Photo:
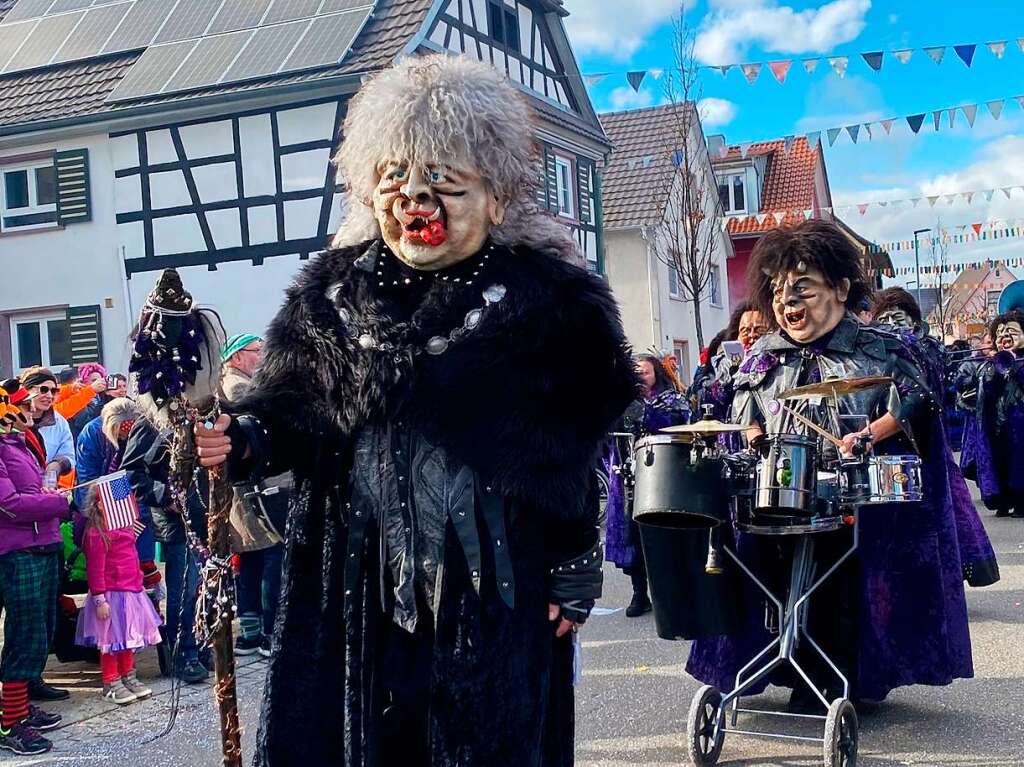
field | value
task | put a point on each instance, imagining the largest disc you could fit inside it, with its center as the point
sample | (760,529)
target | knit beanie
(236,344)
(86,370)
(37,375)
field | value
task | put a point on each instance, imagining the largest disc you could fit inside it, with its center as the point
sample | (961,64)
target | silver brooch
(495,293)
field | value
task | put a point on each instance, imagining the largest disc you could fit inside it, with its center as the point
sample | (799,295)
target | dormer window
(732,193)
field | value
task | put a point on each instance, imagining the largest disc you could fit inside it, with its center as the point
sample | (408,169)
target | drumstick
(813,426)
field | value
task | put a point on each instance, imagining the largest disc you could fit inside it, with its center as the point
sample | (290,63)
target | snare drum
(787,475)
(826,516)
(878,479)
(673,490)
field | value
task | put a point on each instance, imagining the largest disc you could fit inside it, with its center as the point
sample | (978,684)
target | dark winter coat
(523,401)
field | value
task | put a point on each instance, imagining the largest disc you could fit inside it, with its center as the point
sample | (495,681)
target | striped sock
(15,703)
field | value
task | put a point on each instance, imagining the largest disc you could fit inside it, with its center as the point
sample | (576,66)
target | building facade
(206,146)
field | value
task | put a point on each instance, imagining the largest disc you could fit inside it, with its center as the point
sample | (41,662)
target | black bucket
(689,603)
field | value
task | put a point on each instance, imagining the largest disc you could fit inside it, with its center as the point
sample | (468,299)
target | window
(566,189)
(993,302)
(503,25)
(41,340)
(673,282)
(29,196)
(732,193)
(681,350)
(715,285)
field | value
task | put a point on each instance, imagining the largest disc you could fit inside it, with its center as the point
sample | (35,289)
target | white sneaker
(117,692)
(135,687)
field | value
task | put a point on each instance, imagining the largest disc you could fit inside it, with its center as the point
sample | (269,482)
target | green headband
(236,344)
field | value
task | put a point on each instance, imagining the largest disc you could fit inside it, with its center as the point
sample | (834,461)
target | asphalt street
(632,702)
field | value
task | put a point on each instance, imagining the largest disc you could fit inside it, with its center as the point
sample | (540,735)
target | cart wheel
(841,734)
(703,743)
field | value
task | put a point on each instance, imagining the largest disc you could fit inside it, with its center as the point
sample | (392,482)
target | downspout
(599,219)
(652,287)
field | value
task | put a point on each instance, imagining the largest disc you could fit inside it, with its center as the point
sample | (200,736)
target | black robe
(524,400)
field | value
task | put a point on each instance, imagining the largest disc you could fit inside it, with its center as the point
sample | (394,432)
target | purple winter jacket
(28,517)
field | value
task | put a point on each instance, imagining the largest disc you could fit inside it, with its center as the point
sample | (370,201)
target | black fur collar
(525,397)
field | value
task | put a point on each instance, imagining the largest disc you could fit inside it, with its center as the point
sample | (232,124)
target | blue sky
(614,36)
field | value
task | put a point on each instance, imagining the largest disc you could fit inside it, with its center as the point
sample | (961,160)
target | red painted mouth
(423,227)
(796,319)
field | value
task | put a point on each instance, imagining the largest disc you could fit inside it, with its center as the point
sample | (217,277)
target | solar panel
(238,14)
(330,6)
(290,10)
(327,41)
(208,61)
(137,28)
(47,37)
(189,19)
(266,51)
(91,33)
(153,69)
(27,9)
(60,6)
(10,38)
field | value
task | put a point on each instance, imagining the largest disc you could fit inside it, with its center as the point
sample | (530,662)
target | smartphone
(112,382)
(733,349)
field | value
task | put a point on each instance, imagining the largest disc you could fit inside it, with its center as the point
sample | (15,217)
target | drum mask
(1010,336)
(806,306)
(897,318)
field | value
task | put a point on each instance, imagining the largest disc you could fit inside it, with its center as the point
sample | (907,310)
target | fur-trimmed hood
(524,396)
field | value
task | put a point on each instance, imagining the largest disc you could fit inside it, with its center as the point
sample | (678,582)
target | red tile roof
(788,185)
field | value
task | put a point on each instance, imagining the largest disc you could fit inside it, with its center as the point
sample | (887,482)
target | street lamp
(917,262)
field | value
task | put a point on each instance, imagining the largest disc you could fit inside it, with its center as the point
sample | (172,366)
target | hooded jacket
(28,517)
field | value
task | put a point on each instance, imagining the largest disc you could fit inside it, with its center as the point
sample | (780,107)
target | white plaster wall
(74,266)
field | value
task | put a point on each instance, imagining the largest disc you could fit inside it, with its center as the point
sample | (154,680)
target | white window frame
(564,163)
(40,318)
(727,179)
(715,285)
(681,351)
(33,208)
(673,283)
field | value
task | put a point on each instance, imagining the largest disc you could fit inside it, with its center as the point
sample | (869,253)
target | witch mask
(434,215)
(896,318)
(1010,336)
(806,305)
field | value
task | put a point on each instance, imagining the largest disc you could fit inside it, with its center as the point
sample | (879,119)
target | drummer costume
(994,440)
(895,613)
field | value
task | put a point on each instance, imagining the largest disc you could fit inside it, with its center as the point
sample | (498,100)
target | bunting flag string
(873,60)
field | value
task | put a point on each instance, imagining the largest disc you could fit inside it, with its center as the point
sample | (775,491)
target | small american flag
(116,501)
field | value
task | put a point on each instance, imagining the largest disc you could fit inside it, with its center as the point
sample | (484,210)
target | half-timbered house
(141,134)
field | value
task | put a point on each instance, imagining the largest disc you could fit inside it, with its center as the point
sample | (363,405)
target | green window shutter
(73,204)
(583,168)
(84,329)
(551,179)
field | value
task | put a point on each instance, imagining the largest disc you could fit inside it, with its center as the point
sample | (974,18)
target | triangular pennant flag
(863,208)
(779,217)
(723,68)
(787,143)
(988,194)
(873,59)
(635,78)
(833,134)
(813,140)
(751,71)
(1008,191)
(725,224)
(656,73)
(915,122)
(903,56)
(592,80)
(933,200)
(809,213)
(811,64)
(780,69)
(966,53)
(871,135)
(1020,101)
(887,124)
(744,149)
(1020,44)
(839,64)
(937,118)
(995,108)
(916,201)
(936,53)
(976,228)
(950,198)
(969,196)
(761,217)
(883,204)
(853,130)
(952,116)
(970,112)
(997,49)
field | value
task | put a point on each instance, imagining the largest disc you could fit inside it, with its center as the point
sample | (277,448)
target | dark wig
(716,342)
(732,330)
(1014,315)
(819,245)
(662,380)
(892,299)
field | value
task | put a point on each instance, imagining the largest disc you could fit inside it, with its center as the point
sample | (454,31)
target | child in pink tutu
(118,618)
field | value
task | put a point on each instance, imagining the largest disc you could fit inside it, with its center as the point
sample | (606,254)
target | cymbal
(706,427)
(836,387)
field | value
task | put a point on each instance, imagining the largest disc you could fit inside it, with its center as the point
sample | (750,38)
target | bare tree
(938,257)
(685,237)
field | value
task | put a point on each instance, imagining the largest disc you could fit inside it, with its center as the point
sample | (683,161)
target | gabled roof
(971,288)
(878,259)
(86,84)
(635,183)
(788,183)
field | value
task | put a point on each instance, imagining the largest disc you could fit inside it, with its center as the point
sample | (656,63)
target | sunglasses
(47,389)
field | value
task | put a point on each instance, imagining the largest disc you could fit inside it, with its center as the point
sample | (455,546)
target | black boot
(1002,512)
(641,603)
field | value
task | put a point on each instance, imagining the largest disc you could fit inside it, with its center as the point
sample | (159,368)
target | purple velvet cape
(622,542)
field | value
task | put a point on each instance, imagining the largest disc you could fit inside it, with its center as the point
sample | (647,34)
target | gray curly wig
(427,108)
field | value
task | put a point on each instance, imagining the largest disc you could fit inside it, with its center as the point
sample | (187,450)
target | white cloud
(627,98)
(715,112)
(604,26)
(735,25)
